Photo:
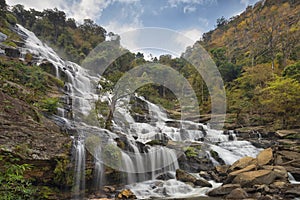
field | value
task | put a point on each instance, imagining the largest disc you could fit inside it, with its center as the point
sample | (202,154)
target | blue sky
(189,17)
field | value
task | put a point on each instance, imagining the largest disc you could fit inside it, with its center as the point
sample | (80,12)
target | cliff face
(35,154)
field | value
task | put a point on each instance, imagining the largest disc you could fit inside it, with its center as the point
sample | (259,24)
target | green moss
(190,152)
(50,105)
(10,43)
(155,142)
(11,19)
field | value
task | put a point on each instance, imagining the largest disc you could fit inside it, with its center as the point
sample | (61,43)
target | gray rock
(223,190)
(3,37)
(237,193)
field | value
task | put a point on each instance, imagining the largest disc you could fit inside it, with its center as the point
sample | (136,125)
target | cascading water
(142,166)
(79,151)
(78,95)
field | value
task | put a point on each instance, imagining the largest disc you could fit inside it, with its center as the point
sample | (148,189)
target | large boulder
(237,193)
(223,190)
(280,171)
(222,169)
(183,176)
(202,183)
(186,177)
(242,163)
(246,169)
(255,177)
(126,194)
(265,157)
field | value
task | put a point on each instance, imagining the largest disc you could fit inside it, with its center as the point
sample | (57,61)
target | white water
(79,165)
(81,94)
(292,179)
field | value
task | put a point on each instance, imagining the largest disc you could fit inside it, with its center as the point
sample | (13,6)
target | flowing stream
(142,163)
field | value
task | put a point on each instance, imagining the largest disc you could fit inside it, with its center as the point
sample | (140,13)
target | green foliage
(63,34)
(282,98)
(190,152)
(10,43)
(29,83)
(13,185)
(50,105)
(63,174)
(11,19)
(292,71)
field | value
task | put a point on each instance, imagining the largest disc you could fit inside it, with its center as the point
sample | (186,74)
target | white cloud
(38,5)
(245,2)
(189,9)
(79,10)
(87,9)
(190,36)
(116,27)
(203,21)
(194,33)
(174,3)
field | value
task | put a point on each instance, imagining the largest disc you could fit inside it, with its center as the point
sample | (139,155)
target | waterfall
(140,166)
(80,158)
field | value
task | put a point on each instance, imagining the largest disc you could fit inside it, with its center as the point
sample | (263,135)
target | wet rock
(294,171)
(48,67)
(3,37)
(242,163)
(222,169)
(165,176)
(265,157)
(237,193)
(183,176)
(205,175)
(12,52)
(140,118)
(109,189)
(223,190)
(216,156)
(126,194)
(175,124)
(202,183)
(255,177)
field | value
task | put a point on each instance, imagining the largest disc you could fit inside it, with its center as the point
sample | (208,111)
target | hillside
(44,130)
(267,32)
(257,54)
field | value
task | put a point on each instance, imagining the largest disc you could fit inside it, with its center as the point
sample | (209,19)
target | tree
(3,5)
(292,71)
(221,21)
(58,18)
(282,98)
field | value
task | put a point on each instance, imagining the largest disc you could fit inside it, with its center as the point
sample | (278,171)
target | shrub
(50,105)
(11,19)
(13,185)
